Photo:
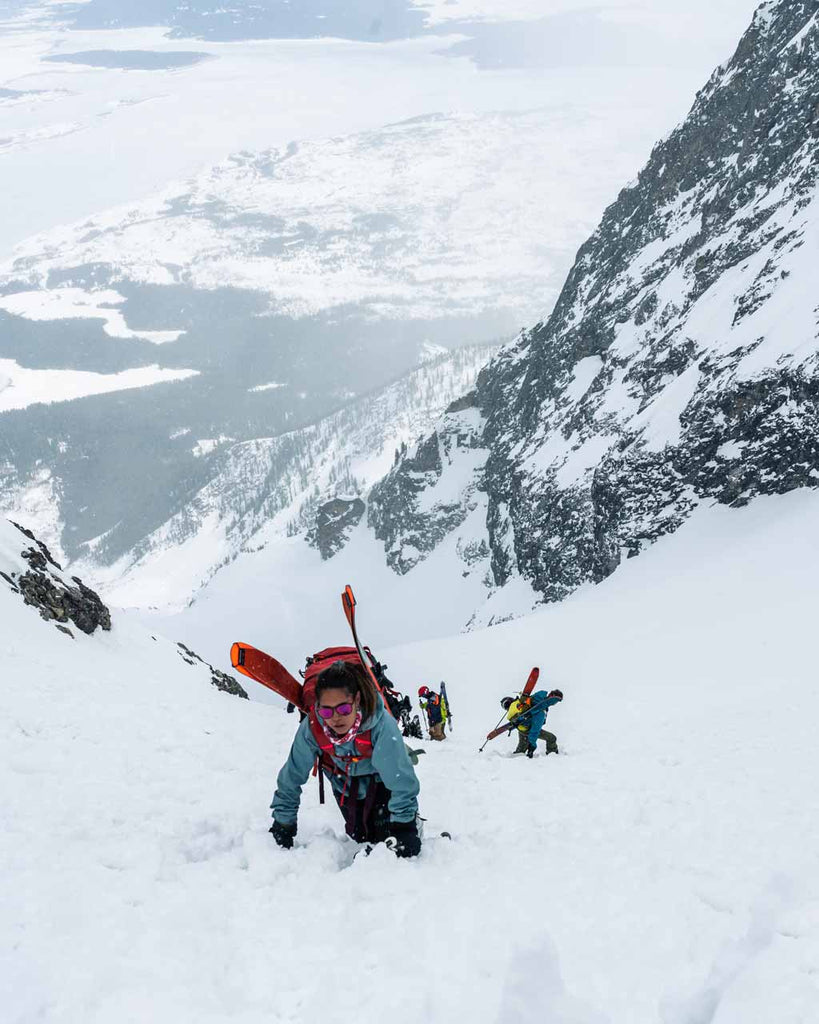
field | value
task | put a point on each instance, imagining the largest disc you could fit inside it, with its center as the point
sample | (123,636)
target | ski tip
(238,652)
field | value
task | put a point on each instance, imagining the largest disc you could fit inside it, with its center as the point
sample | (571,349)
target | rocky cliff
(680,364)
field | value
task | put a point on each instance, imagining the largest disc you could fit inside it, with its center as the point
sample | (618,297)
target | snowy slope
(662,868)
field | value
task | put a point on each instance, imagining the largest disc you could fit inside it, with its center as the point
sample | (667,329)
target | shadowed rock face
(410,511)
(680,363)
(334,521)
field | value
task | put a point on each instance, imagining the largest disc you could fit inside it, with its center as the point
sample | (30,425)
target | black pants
(367,818)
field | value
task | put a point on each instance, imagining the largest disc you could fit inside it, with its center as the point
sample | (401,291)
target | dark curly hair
(353,679)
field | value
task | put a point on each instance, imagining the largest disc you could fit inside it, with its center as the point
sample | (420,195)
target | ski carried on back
(531,682)
(264,668)
(499,729)
(448,706)
(348,602)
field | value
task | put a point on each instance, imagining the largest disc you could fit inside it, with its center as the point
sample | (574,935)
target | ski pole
(500,722)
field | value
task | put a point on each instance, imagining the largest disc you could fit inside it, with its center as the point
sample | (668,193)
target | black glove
(283,834)
(407,841)
(530,752)
(556,693)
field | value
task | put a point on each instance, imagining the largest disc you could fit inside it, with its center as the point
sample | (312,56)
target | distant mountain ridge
(270,488)
(681,362)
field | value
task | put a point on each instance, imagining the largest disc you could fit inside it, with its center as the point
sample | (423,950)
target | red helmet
(423,691)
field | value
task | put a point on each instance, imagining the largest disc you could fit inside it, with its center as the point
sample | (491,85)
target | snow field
(661,869)
(21,387)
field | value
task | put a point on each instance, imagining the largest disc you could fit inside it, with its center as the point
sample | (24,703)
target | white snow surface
(662,868)
(21,386)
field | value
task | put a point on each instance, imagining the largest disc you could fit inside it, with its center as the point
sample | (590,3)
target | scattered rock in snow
(221,680)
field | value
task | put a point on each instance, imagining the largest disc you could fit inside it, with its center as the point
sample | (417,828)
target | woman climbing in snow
(355,743)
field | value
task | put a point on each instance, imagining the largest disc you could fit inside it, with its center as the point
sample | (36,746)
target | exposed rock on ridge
(45,588)
(334,521)
(433,490)
(275,486)
(221,680)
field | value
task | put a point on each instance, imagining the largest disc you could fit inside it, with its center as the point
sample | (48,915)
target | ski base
(264,669)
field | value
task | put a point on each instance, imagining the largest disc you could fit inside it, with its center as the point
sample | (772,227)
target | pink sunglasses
(339,709)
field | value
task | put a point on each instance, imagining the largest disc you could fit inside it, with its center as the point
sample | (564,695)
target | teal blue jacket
(389,762)
(541,702)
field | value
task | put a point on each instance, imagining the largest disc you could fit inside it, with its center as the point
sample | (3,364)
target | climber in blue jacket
(527,715)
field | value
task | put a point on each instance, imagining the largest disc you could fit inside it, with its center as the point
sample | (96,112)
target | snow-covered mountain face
(307,481)
(680,364)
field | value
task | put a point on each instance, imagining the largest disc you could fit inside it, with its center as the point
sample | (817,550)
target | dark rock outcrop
(431,491)
(44,587)
(334,521)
